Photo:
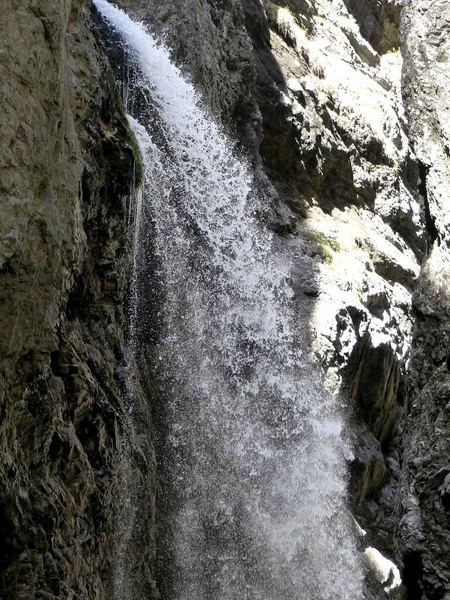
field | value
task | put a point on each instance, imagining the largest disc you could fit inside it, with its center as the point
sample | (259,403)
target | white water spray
(254,462)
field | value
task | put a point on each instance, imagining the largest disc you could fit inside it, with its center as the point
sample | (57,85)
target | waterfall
(252,457)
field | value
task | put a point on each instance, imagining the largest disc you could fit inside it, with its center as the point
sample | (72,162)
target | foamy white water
(253,460)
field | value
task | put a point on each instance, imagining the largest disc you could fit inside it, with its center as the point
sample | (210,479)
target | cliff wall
(422,534)
(318,109)
(341,110)
(68,168)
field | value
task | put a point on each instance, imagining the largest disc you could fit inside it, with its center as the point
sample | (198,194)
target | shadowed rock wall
(67,170)
(422,508)
(357,174)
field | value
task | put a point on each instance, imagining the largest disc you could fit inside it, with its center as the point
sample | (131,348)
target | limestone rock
(315,99)
(378,21)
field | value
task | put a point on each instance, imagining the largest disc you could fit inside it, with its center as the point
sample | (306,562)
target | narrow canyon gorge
(225,300)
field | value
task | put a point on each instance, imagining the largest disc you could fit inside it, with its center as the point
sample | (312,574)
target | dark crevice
(430,221)
(7,533)
(378,21)
(55,363)
(412,575)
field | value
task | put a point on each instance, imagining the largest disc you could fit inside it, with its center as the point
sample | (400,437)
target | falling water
(252,459)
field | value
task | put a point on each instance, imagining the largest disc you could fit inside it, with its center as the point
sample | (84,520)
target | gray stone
(68,163)
(354,165)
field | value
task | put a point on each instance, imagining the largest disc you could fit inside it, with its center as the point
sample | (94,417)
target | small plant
(318,71)
(111,388)
(326,244)
(283,21)
(109,370)
(118,400)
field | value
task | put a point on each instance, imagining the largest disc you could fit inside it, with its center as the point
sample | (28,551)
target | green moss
(289,11)
(111,388)
(114,394)
(139,173)
(109,368)
(114,113)
(326,244)
(282,20)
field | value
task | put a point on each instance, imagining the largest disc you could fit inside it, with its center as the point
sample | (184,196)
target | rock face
(68,164)
(353,157)
(422,533)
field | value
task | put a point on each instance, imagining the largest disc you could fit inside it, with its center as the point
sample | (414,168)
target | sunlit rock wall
(423,518)
(357,173)
(67,171)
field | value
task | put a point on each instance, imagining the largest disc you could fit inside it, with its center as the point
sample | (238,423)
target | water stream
(251,457)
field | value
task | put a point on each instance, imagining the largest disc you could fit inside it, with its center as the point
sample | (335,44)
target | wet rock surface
(319,96)
(314,98)
(422,531)
(68,165)
(351,147)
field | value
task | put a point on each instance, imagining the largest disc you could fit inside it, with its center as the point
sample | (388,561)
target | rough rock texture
(67,167)
(336,149)
(378,22)
(423,519)
(357,176)
(211,39)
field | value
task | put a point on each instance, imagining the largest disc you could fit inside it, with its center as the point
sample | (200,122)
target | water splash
(253,461)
